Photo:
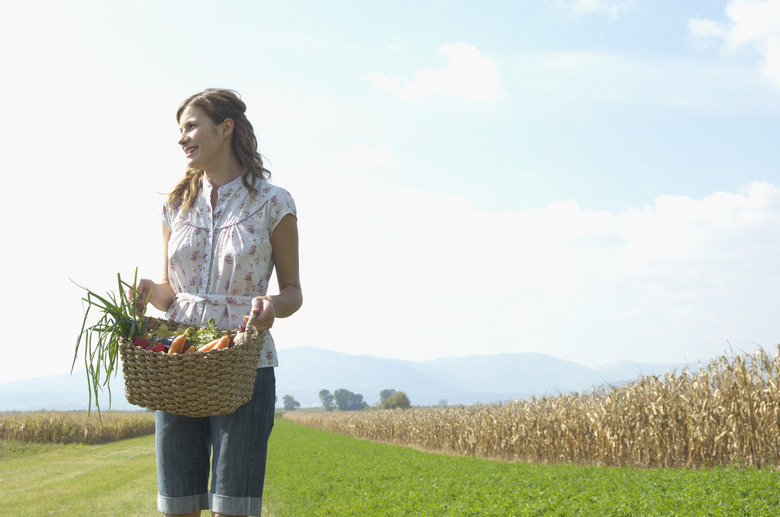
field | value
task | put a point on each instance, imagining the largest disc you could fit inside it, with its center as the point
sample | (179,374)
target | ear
(227,126)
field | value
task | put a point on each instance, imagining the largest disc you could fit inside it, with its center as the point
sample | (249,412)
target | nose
(182,139)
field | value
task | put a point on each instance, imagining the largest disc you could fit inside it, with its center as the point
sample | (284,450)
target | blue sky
(592,179)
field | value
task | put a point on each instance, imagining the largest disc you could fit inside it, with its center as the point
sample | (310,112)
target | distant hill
(60,392)
(457,380)
(626,371)
(307,370)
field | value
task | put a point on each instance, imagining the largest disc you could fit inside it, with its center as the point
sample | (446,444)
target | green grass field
(315,473)
(117,479)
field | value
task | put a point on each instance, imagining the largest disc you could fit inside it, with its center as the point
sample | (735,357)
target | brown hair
(219,105)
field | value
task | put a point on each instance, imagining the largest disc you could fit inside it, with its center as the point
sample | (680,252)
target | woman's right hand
(141,293)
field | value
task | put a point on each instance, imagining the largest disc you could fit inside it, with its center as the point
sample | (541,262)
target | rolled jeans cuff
(185,504)
(251,506)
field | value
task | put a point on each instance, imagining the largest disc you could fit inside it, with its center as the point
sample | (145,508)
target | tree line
(345,400)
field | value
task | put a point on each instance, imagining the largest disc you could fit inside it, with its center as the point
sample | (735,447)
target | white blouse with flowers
(218,260)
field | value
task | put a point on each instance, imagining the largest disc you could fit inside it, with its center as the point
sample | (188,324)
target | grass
(117,479)
(316,473)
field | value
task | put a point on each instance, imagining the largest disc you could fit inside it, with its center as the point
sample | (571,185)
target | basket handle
(250,323)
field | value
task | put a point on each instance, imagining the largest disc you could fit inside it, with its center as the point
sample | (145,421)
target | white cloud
(361,155)
(586,77)
(752,24)
(278,106)
(395,45)
(431,276)
(612,8)
(702,28)
(382,81)
(469,76)
(705,33)
(609,7)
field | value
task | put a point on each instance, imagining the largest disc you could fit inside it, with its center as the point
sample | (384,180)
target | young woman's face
(201,139)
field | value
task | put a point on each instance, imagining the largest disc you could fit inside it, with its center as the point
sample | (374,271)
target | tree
(399,400)
(348,401)
(327,400)
(384,395)
(290,404)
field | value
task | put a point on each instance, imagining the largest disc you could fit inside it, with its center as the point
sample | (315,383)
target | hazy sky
(596,180)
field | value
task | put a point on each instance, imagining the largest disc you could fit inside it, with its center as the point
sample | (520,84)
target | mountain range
(306,370)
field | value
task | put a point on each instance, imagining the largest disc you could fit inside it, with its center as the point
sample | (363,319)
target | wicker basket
(210,383)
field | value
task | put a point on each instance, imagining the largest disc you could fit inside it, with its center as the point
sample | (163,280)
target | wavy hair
(220,104)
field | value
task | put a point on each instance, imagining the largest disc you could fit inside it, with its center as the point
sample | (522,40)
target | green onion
(120,318)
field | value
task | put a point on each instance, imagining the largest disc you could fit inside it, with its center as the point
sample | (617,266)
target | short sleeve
(166,214)
(280,204)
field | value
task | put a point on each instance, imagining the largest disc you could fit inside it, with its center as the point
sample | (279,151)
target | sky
(596,180)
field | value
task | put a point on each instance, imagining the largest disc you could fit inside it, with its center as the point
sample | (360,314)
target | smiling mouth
(189,150)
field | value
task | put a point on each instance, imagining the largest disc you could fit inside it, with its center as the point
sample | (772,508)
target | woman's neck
(219,176)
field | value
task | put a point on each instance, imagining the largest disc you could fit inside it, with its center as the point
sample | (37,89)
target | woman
(224,230)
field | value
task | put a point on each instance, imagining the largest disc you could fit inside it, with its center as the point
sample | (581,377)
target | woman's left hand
(266,314)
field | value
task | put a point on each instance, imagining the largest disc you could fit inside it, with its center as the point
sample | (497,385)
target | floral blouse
(218,260)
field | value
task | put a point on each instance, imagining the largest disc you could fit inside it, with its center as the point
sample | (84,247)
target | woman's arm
(161,292)
(284,243)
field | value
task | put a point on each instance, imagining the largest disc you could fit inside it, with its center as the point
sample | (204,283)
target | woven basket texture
(199,384)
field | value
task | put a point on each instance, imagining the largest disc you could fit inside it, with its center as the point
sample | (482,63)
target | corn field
(74,426)
(728,413)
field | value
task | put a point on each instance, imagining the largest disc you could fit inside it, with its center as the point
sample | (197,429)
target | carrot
(178,344)
(224,342)
(208,347)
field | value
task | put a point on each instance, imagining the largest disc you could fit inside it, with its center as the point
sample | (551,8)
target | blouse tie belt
(215,299)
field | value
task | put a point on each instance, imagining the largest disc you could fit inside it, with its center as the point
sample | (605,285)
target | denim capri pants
(237,445)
